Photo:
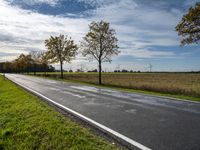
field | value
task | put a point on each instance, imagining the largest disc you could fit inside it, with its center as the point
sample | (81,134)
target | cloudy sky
(145,29)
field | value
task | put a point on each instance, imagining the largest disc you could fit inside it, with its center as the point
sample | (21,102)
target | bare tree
(60,49)
(100,43)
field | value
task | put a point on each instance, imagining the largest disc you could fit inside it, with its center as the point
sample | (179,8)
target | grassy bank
(28,123)
(178,84)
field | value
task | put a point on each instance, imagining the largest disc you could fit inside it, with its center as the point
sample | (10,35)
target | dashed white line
(70,93)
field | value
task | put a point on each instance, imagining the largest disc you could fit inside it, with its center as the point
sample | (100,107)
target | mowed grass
(28,123)
(185,84)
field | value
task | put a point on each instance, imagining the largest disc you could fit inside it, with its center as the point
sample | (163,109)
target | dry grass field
(187,84)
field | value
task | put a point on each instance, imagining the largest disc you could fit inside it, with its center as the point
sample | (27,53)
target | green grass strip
(28,123)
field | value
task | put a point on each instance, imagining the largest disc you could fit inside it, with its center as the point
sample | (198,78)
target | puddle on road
(132,111)
(113,106)
(85,88)
(90,102)
(76,95)
(52,82)
(52,88)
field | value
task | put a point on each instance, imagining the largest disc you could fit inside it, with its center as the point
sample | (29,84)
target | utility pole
(150,67)
(70,68)
(86,69)
(118,67)
(82,66)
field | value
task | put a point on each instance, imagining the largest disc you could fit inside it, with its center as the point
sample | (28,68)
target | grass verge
(28,123)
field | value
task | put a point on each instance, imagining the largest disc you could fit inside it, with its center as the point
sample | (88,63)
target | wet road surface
(158,123)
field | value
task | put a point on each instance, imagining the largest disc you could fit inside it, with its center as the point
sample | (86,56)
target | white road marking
(85,88)
(100,126)
(70,93)
(79,96)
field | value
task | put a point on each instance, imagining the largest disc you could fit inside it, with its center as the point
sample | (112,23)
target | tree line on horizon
(32,62)
(100,44)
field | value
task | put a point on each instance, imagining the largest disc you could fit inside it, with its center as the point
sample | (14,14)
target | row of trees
(33,62)
(100,43)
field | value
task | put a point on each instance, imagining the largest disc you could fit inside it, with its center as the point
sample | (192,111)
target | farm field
(187,84)
(28,123)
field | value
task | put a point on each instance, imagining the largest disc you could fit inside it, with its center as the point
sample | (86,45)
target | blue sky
(145,29)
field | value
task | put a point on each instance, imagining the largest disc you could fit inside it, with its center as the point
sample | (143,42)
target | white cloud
(25,30)
(99,3)
(33,2)
(141,25)
(138,27)
(128,12)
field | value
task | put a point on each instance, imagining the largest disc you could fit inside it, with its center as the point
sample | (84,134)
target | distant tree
(60,49)
(40,62)
(78,70)
(19,63)
(189,26)
(44,63)
(124,70)
(28,63)
(37,59)
(100,43)
(95,70)
(117,71)
(23,63)
(6,67)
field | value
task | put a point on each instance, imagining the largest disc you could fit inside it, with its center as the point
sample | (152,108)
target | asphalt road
(158,123)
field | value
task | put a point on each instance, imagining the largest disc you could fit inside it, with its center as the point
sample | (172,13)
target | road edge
(124,90)
(115,135)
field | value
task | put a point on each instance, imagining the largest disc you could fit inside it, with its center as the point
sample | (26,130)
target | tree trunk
(45,70)
(100,73)
(61,69)
(34,69)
